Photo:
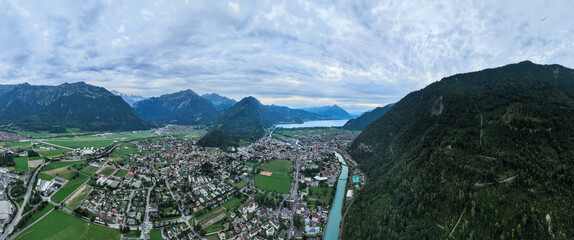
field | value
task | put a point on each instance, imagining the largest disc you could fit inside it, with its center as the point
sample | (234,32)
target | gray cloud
(358,54)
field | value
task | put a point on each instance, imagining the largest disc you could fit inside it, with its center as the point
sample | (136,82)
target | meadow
(60,225)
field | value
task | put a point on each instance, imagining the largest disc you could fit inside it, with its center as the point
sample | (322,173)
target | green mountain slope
(360,123)
(483,155)
(75,105)
(185,107)
(247,120)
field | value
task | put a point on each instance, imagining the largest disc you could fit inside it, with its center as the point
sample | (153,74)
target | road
(146,225)
(294,192)
(18,216)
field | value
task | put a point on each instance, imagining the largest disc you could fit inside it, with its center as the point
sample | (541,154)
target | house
(349,194)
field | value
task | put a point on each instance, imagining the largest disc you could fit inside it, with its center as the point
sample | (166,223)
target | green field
(322,194)
(155,234)
(240,184)
(107,171)
(89,170)
(58,152)
(21,164)
(60,225)
(70,187)
(122,173)
(15,145)
(77,201)
(38,215)
(233,204)
(81,143)
(278,166)
(44,176)
(278,182)
(57,165)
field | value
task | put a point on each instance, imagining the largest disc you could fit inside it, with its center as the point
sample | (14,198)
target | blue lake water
(335,215)
(322,123)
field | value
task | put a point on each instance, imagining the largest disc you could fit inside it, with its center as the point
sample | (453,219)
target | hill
(482,155)
(185,107)
(361,122)
(247,120)
(220,102)
(334,112)
(69,105)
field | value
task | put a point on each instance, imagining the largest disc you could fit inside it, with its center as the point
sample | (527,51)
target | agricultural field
(81,143)
(16,145)
(39,214)
(89,170)
(68,188)
(57,165)
(76,200)
(60,225)
(278,166)
(21,164)
(279,181)
(44,176)
(107,171)
(213,216)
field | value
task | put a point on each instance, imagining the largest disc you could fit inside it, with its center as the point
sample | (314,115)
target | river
(322,123)
(335,215)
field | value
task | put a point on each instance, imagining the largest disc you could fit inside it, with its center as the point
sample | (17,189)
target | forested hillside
(483,155)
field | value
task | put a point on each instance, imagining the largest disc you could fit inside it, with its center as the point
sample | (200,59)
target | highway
(18,216)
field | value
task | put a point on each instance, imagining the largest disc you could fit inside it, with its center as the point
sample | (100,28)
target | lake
(322,123)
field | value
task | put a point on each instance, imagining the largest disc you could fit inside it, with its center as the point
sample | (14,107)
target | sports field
(279,181)
(60,225)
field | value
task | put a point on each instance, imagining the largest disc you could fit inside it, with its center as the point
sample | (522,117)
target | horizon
(297,54)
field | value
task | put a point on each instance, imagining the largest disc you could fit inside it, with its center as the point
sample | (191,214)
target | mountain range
(247,120)
(220,102)
(129,99)
(333,111)
(69,105)
(359,123)
(184,107)
(481,155)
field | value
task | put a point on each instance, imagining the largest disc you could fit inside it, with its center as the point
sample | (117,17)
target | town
(160,184)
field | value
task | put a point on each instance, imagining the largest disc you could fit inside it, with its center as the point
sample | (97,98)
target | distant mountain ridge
(220,102)
(333,111)
(130,99)
(184,107)
(361,122)
(69,105)
(247,120)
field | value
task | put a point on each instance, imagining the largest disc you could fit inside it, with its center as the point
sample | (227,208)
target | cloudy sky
(358,54)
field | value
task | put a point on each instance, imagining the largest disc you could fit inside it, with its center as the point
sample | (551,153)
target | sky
(357,54)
